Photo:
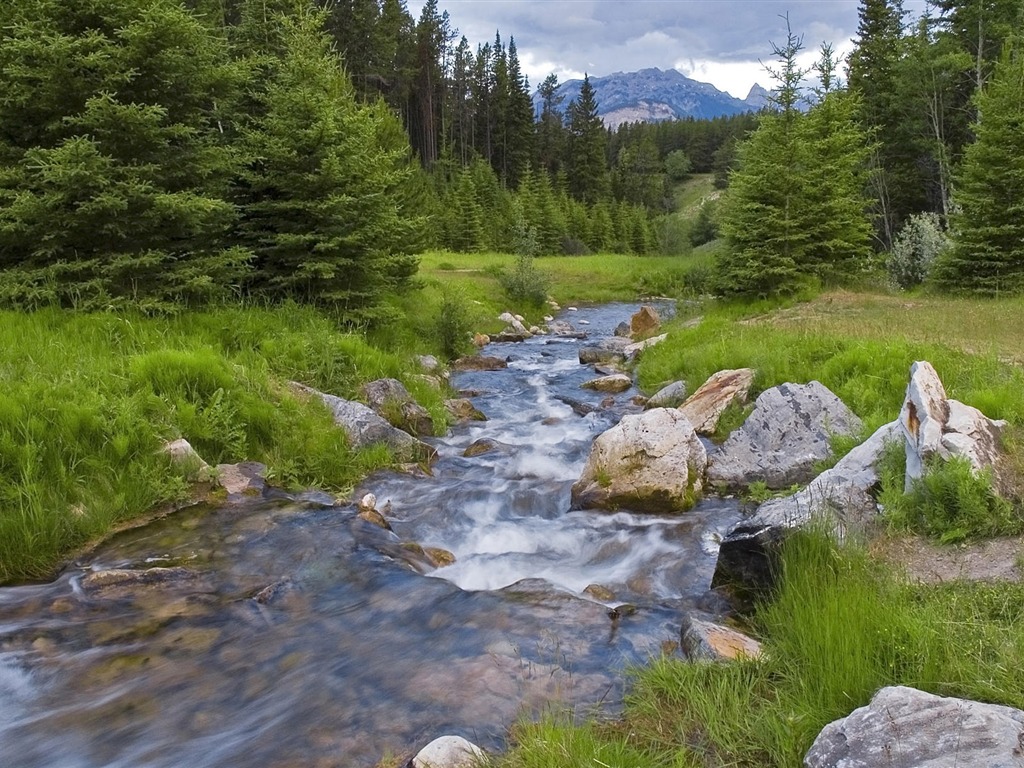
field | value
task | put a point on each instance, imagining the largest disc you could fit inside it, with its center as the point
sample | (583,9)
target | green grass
(88,399)
(840,628)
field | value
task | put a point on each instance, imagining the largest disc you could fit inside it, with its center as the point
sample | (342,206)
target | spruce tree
(988,227)
(586,163)
(321,199)
(114,141)
(764,212)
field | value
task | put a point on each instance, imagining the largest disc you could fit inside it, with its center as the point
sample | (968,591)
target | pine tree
(586,163)
(550,128)
(321,201)
(988,229)
(116,165)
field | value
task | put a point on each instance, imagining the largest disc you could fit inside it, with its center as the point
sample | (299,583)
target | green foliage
(988,229)
(526,283)
(453,322)
(950,503)
(918,246)
(112,188)
(705,227)
(677,165)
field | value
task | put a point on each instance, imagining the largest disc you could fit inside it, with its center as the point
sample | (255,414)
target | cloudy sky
(716,41)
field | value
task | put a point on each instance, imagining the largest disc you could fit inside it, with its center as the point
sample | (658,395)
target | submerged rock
(462,409)
(905,726)
(650,462)
(484,445)
(705,406)
(788,432)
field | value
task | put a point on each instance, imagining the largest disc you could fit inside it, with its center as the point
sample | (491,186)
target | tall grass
(839,629)
(87,400)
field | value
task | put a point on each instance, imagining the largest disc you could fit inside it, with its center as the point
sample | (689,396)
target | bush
(951,503)
(526,283)
(918,245)
(453,322)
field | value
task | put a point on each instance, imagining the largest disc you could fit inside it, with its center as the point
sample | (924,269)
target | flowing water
(289,632)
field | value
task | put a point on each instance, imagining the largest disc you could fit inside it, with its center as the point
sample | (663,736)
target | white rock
(449,752)
(632,349)
(369,501)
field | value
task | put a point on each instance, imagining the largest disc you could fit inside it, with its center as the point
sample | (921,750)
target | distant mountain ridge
(652,95)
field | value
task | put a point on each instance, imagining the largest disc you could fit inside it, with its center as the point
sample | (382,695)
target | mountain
(651,95)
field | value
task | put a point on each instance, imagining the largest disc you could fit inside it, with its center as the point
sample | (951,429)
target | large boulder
(935,426)
(907,727)
(842,495)
(645,321)
(650,462)
(705,406)
(785,436)
(389,398)
(365,428)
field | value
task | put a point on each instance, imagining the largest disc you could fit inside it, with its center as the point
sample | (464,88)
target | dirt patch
(927,562)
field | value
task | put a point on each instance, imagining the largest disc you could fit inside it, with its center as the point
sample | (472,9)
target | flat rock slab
(610,350)
(907,727)
(671,396)
(788,432)
(705,406)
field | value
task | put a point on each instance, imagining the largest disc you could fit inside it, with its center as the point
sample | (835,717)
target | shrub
(452,323)
(526,283)
(918,245)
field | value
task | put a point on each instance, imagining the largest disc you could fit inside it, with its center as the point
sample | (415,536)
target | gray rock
(579,407)
(650,462)
(606,351)
(707,641)
(616,382)
(671,396)
(514,323)
(633,349)
(842,495)
(365,428)
(428,363)
(562,328)
(705,406)
(390,399)
(115,582)
(448,752)
(780,442)
(907,727)
(622,329)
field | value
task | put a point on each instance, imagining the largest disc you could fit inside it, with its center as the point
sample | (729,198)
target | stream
(290,632)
